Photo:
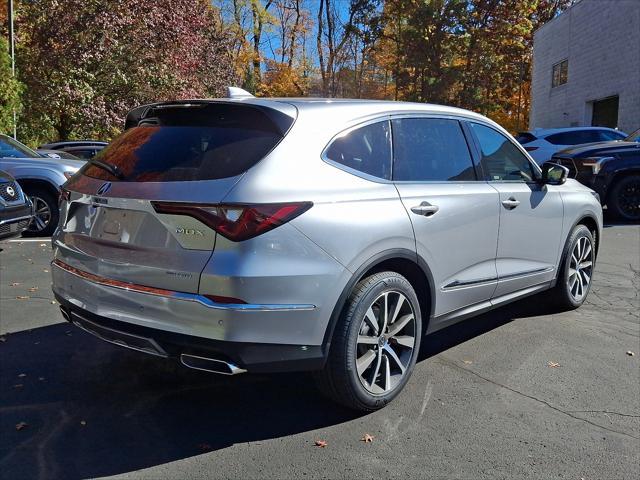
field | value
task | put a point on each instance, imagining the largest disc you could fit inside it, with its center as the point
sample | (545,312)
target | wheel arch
(616,177)
(405,262)
(27,182)
(592,224)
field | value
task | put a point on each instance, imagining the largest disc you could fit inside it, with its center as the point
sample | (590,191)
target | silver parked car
(257,235)
(40,177)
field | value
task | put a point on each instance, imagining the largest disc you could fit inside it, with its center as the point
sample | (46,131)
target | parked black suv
(612,169)
(16,210)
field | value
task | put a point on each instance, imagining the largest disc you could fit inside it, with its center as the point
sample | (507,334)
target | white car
(542,143)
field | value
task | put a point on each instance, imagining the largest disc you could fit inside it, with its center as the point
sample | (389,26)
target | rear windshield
(191,142)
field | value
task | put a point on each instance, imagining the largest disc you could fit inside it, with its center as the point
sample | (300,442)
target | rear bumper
(255,337)
(253,357)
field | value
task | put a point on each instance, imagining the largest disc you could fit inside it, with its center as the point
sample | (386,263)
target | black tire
(340,380)
(36,228)
(624,198)
(563,293)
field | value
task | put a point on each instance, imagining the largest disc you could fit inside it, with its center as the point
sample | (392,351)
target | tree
(9,90)
(85,63)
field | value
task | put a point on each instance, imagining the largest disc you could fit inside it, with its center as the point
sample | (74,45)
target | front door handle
(425,209)
(510,203)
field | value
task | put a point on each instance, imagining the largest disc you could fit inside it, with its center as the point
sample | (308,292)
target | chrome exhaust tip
(210,365)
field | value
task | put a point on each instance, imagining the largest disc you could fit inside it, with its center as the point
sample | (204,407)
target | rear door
(453,212)
(122,220)
(531,214)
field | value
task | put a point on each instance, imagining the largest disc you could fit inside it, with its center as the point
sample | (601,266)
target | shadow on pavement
(93,409)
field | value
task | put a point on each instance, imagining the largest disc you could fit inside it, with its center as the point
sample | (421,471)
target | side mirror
(554,174)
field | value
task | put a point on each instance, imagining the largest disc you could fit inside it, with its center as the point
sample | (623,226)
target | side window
(608,135)
(430,149)
(366,149)
(501,159)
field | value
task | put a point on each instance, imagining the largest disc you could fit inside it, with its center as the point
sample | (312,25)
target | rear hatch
(119,219)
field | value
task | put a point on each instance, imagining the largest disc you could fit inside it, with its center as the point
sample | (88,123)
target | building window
(560,71)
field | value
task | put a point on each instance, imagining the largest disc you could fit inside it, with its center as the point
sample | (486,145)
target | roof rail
(235,92)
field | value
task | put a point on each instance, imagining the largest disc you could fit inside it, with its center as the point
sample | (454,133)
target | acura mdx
(261,235)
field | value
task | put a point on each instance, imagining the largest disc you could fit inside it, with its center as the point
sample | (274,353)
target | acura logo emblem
(11,192)
(104,188)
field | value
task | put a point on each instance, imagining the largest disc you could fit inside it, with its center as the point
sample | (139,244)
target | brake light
(531,149)
(237,222)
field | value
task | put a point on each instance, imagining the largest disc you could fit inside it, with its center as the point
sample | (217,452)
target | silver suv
(257,235)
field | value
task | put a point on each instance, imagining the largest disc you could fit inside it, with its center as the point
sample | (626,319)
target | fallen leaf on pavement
(468,362)
(367,438)
(45,270)
(33,289)
(21,425)
(552,364)
(53,302)
(630,353)
(43,244)
(14,284)
(22,297)
(321,443)
(22,375)
(83,422)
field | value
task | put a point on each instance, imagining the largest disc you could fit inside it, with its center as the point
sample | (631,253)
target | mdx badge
(190,231)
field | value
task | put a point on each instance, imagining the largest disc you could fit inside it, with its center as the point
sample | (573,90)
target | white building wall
(601,40)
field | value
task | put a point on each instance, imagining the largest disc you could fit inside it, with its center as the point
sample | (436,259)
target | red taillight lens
(237,222)
(531,149)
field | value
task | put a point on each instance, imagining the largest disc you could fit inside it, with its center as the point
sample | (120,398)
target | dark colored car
(612,169)
(16,209)
(83,149)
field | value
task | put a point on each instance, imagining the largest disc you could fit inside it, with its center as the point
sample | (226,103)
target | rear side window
(575,137)
(366,149)
(430,149)
(525,137)
(194,142)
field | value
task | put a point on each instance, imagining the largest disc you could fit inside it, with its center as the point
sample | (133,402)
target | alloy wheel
(42,215)
(386,343)
(580,268)
(629,200)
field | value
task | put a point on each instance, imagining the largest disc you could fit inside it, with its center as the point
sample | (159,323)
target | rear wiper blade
(112,169)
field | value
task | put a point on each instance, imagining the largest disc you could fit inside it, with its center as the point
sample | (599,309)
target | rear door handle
(425,209)
(510,203)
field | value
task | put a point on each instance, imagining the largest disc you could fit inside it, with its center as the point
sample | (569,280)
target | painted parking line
(28,240)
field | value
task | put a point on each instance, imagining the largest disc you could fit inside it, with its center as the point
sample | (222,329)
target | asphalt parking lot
(520,392)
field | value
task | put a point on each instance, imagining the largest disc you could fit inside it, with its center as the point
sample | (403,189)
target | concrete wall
(601,39)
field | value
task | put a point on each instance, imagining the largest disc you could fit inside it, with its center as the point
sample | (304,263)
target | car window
(608,135)
(575,137)
(430,149)
(10,148)
(366,149)
(501,159)
(190,143)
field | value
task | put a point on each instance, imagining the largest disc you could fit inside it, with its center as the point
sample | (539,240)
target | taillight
(237,222)
(531,149)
